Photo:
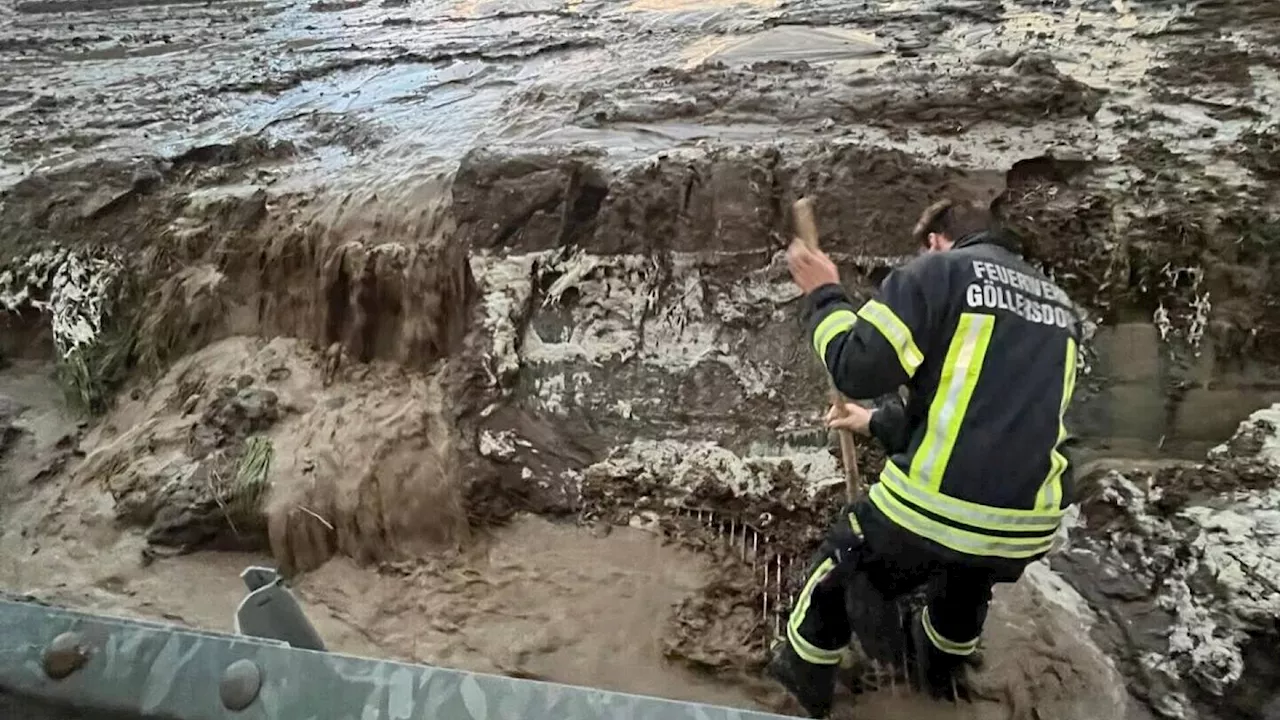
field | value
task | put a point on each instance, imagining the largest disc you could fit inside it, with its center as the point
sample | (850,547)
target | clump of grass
(249,485)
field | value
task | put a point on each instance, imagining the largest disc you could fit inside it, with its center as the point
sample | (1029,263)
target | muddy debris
(1184,559)
(1032,89)
(206,491)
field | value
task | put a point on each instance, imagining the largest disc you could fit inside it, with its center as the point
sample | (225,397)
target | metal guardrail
(115,667)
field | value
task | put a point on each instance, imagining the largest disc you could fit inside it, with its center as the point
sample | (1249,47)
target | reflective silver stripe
(896,332)
(960,372)
(961,541)
(973,514)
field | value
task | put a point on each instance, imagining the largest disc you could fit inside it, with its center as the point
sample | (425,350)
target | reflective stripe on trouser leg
(818,629)
(957,608)
(946,645)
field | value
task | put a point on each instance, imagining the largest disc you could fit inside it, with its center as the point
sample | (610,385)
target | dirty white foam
(74,287)
(684,466)
(1218,560)
(667,313)
(507,284)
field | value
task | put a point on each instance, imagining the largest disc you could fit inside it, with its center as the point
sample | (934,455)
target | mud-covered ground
(359,284)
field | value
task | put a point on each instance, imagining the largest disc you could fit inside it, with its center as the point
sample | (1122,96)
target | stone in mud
(1183,564)
(526,201)
(10,409)
(233,413)
(1038,658)
(189,511)
(996,58)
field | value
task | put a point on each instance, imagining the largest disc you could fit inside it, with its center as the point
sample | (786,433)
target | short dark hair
(952,218)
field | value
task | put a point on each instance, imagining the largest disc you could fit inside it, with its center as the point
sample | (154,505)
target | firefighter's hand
(849,416)
(810,268)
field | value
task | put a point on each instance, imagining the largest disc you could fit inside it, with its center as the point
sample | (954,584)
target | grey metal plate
(142,669)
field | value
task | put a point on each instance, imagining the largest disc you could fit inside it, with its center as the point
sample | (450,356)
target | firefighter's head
(946,222)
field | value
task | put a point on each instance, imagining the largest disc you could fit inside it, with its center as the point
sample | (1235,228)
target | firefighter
(977,476)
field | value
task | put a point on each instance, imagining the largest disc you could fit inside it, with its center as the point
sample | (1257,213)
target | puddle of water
(682,5)
(792,43)
(480,8)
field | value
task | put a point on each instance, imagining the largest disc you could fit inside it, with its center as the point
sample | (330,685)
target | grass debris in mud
(82,296)
(243,496)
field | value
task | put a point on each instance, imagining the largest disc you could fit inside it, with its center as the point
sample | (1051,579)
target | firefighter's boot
(811,684)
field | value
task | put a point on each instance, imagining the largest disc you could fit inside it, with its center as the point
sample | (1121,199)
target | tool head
(806,225)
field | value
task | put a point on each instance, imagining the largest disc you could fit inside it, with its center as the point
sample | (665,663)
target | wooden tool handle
(806,225)
(807,231)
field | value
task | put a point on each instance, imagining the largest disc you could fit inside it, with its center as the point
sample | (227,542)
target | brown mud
(355,287)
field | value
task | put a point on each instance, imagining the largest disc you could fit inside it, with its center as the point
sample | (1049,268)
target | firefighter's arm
(889,424)
(880,346)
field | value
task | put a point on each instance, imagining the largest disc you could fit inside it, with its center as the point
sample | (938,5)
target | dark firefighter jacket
(986,346)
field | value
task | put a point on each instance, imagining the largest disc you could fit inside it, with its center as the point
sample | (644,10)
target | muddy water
(421,82)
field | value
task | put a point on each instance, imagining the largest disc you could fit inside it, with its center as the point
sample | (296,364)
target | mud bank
(436,265)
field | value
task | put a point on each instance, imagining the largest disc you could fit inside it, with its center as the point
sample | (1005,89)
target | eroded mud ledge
(358,332)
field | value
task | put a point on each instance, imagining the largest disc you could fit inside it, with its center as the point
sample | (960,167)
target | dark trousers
(859,591)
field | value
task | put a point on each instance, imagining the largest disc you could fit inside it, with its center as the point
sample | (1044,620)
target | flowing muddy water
(365,287)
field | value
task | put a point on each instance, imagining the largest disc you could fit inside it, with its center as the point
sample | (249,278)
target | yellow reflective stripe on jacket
(950,647)
(960,372)
(962,541)
(896,332)
(1050,495)
(983,517)
(830,327)
(805,649)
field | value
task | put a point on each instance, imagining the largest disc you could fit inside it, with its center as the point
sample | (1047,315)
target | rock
(232,415)
(258,405)
(1039,654)
(10,409)
(997,58)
